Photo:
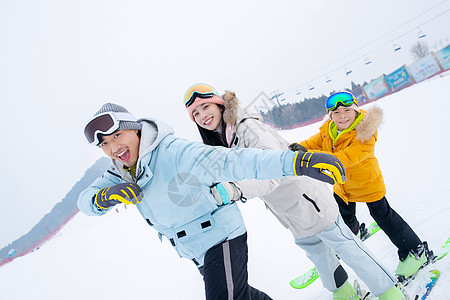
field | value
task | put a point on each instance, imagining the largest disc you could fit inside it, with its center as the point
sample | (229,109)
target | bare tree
(419,50)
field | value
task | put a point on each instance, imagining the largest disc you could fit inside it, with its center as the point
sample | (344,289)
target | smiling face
(122,145)
(343,117)
(208,116)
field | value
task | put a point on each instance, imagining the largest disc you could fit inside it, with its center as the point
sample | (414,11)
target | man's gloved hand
(225,192)
(128,193)
(297,147)
(320,166)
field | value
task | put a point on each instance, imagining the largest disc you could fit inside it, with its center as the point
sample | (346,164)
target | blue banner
(377,88)
(443,56)
(398,79)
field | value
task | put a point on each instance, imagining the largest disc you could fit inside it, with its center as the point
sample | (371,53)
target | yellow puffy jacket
(354,147)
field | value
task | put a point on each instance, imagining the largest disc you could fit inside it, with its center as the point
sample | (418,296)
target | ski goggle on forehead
(105,123)
(199,90)
(340,98)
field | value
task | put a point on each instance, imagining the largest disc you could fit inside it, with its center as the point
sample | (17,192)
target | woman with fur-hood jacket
(305,206)
(354,146)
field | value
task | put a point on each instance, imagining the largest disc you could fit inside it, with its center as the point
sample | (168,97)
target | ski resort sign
(424,68)
(443,57)
(399,79)
(376,89)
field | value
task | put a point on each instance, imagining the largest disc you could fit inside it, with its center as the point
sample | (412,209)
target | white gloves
(225,192)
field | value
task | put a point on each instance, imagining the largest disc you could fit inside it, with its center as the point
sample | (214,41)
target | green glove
(297,147)
(320,166)
(128,193)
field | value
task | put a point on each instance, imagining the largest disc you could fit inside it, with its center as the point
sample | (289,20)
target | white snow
(118,256)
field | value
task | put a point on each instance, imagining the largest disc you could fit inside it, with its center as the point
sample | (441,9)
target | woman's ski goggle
(199,90)
(105,123)
(340,98)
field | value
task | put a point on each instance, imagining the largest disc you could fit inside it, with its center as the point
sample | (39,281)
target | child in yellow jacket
(350,135)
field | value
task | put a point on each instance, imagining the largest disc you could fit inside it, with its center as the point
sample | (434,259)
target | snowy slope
(119,257)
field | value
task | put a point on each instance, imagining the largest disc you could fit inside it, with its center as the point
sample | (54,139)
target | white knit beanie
(111,107)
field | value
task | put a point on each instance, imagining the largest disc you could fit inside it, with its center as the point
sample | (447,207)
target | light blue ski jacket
(175,176)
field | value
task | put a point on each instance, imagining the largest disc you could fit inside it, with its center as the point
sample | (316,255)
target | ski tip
(435,272)
(302,281)
(297,286)
(444,250)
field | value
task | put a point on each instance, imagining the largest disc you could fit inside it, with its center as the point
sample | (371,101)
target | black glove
(128,193)
(320,166)
(297,147)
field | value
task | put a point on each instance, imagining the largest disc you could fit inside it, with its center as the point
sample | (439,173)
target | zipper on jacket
(312,202)
(115,174)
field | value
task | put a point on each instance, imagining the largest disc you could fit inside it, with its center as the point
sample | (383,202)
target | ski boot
(345,292)
(394,293)
(413,262)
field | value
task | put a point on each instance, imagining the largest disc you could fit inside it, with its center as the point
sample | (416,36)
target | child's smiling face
(343,117)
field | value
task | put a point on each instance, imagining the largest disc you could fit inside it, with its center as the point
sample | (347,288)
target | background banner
(425,67)
(443,57)
(399,79)
(377,88)
(360,95)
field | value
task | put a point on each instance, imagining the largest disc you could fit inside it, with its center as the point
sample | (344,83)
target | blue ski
(430,283)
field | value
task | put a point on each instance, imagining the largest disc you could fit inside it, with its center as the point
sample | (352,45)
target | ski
(422,294)
(306,279)
(444,250)
(311,275)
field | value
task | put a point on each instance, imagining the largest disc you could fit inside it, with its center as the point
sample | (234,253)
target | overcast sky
(61,60)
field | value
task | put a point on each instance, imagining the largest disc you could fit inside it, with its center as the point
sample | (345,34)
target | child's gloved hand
(297,147)
(320,166)
(128,193)
(225,192)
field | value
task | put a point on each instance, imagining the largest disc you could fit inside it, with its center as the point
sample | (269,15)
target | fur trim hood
(233,114)
(373,118)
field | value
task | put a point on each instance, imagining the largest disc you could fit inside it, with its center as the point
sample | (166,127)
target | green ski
(444,250)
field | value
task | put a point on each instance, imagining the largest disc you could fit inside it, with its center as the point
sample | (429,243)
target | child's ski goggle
(200,90)
(340,98)
(105,123)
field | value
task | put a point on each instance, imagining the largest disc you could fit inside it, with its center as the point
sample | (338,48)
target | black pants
(225,272)
(398,231)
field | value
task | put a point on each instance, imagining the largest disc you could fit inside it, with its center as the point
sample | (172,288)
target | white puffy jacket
(304,205)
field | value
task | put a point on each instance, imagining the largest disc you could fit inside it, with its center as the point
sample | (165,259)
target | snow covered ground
(118,256)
